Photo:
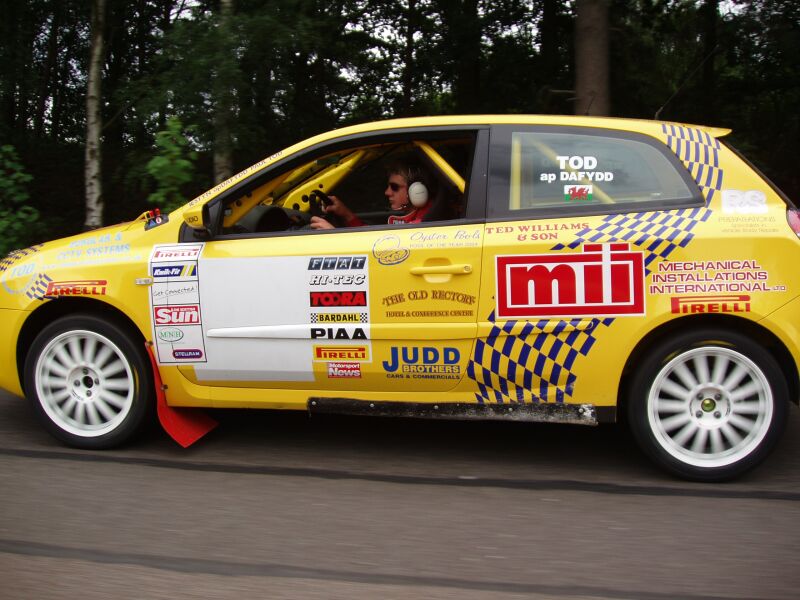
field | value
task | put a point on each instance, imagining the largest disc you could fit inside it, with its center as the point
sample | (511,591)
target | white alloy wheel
(707,404)
(90,381)
(710,407)
(85,383)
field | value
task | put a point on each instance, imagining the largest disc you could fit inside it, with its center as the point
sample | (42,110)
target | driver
(406,190)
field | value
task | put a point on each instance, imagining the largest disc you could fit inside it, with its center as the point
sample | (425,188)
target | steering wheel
(317,200)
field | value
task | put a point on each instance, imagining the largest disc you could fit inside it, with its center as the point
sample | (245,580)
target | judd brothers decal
(603,280)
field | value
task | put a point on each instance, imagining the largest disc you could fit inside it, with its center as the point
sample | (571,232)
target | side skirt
(580,414)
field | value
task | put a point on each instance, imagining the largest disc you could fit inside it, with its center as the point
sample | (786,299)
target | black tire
(89,382)
(708,405)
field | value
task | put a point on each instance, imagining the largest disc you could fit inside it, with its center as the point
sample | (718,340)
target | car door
(574,217)
(384,307)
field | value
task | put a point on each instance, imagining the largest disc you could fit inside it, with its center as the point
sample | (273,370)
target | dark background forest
(232,81)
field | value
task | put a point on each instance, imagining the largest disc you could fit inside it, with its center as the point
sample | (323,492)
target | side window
(563,171)
(286,198)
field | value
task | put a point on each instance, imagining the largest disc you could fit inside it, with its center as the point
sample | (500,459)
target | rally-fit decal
(521,361)
(175,304)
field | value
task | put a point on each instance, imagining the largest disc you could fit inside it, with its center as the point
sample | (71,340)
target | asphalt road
(279,505)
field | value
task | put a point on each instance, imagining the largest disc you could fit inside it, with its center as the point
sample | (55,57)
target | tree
(172,167)
(18,222)
(592,95)
(94,120)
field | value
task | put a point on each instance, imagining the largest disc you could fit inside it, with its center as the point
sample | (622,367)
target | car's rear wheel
(708,405)
(89,382)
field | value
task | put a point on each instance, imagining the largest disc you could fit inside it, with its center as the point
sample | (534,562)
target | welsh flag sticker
(577,192)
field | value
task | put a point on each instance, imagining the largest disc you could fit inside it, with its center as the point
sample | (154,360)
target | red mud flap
(184,425)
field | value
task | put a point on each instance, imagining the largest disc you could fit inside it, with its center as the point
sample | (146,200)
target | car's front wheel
(89,382)
(708,405)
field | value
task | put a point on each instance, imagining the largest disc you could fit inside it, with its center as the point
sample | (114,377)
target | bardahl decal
(352,317)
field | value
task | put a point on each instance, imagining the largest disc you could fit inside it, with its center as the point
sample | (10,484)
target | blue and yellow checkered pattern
(16,255)
(521,362)
(38,289)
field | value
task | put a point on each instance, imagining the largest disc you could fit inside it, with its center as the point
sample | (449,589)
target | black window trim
(475,195)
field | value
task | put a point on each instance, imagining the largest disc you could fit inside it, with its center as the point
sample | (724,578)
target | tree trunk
(94,120)
(223,99)
(408,61)
(591,58)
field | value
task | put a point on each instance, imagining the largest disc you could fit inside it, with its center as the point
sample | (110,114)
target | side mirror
(199,219)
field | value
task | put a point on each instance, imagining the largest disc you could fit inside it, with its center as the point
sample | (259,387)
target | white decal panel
(265,317)
(175,304)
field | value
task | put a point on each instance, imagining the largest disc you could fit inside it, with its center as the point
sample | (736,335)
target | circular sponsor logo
(170,334)
(388,251)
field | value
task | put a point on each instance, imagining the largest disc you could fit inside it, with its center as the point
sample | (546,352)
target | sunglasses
(396,187)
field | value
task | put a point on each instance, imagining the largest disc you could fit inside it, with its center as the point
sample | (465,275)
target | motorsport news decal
(422,362)
(175,304)
(601,281)
(338,312)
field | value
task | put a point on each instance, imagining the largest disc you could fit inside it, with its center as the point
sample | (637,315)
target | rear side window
(563,171)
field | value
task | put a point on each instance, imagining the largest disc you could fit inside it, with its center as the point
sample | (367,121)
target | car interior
(357,175)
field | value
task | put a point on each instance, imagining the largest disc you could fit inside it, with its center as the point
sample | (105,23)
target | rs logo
(604,280)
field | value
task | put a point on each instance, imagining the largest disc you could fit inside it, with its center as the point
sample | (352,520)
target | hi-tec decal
(603,280)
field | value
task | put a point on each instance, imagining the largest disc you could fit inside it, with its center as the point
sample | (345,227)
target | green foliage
(172,167)
(18,222)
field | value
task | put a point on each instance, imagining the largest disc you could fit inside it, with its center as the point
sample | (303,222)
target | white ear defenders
(417,194)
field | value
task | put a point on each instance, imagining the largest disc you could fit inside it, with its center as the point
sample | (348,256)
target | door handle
(462,269)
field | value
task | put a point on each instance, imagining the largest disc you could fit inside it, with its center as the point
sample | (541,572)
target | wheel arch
(752,329)
(55,309)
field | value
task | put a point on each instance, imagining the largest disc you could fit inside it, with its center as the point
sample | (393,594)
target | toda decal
(336,263)
(338,298)
(177,315)
(603,280)
(338,370)
(92,287)
(338,333)
(425,362)
(339,353)
(710,304)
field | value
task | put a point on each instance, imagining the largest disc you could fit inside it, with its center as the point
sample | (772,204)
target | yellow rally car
(558,268)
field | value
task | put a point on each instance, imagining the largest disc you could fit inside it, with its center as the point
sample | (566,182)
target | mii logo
(605,280)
